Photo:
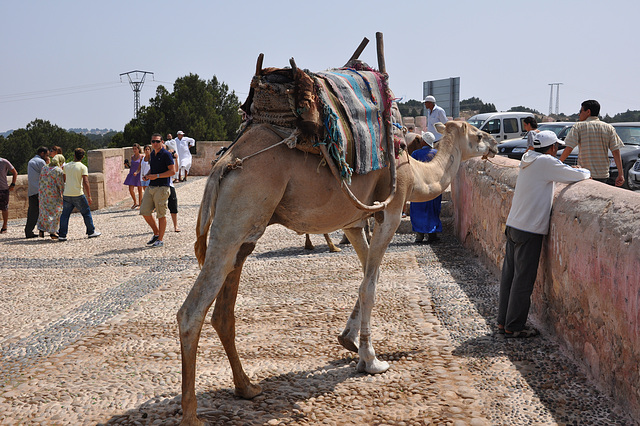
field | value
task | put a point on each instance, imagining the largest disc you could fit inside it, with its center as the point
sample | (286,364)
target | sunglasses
(154,141)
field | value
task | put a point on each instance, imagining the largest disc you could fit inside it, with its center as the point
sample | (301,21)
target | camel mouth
(491,152)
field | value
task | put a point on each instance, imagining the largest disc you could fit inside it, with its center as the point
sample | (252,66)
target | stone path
(89,335)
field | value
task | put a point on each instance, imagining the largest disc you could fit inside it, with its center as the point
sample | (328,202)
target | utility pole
(136,81)
(557,98)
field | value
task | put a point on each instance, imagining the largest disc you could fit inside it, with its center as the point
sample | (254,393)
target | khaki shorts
(155,197)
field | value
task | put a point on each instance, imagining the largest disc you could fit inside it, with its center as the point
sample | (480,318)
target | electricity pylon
(136,81)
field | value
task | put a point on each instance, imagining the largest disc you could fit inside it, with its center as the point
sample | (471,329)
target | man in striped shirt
(595,138)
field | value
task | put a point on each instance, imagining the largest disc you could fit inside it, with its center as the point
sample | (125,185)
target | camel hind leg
(223,321)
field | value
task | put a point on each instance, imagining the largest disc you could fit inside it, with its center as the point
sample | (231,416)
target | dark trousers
(518,277)
(32,215)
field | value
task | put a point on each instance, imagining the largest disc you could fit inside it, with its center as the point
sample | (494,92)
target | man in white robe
(184,155)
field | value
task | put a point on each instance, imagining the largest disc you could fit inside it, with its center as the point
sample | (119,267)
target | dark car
(515,148)
(630,135)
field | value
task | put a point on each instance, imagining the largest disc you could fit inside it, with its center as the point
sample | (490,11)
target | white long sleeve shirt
(436,116)
(533,198)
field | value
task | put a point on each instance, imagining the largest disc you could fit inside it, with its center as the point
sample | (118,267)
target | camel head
(471,141)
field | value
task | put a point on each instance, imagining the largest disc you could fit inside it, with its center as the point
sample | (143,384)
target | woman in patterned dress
(133,178)
(50,196)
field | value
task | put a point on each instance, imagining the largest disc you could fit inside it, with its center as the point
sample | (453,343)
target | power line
(18,97)
(60,91)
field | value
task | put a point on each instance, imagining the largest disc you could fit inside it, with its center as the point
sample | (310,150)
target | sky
(62,60)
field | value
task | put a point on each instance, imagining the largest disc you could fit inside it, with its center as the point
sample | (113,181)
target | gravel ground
(89,335)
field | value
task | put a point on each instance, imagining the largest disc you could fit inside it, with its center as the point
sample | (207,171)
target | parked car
(515,148)
(630,134)
(501,125)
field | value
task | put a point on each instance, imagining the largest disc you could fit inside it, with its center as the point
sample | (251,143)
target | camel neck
(432,178)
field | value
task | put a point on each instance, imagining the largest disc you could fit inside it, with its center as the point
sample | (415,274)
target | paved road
(89,335)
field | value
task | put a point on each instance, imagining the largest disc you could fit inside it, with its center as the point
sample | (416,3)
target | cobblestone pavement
(89,335)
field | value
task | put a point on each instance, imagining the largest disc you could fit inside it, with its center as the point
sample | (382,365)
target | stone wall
(587,292)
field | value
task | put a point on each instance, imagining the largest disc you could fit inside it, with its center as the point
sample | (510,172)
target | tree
(411,108)
(204,110)
(476,104)
(521,108)
(20,146)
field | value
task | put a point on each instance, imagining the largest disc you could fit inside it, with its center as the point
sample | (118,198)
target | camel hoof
(249,392)
(335,250)
(376,366)
(348,344)
(309,247)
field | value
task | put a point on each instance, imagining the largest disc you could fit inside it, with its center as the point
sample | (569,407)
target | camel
(285,186)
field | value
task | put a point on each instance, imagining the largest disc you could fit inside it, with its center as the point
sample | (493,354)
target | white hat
(428,138)
(180,132)
(430,99)
(545,138)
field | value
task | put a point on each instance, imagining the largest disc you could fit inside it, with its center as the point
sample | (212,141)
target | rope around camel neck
(502,165)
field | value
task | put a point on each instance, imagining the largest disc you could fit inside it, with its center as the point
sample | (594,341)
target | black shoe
(433,238)
(31,236)
(419,237)
(152,240)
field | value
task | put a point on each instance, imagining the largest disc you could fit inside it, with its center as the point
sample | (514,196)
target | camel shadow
(283,396)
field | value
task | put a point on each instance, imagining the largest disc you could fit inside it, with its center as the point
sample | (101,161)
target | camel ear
(440,128)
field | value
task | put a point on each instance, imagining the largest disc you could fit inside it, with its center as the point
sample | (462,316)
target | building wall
(587,291)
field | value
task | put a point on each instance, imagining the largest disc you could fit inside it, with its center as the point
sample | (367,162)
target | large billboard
(447,94)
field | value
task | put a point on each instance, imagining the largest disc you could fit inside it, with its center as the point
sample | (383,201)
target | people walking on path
(133,178)
(34,167)
(5,189)
(595,138)
(77,194)
(144,167)
(170,145)
(155,197)
(527,224)
(172,202)
(51,196)
(184,155)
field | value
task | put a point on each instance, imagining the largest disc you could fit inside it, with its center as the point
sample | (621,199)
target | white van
(501,125)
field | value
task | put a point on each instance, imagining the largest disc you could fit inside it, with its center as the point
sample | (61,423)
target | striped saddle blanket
(353,103)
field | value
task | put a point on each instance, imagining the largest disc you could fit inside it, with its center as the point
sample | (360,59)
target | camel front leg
(308,245)
(349,337)
(190,319)
(224,322)
(382,235)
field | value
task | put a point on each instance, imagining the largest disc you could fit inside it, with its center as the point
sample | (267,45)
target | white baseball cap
(428,138)
(430,99)
(545,138)
(180,132)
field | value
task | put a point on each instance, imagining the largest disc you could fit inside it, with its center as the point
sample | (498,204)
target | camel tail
(207,213)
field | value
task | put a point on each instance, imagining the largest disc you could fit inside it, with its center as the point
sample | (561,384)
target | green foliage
(476,104)
(521,108)
(623,116)
(204,110)
(411,108)
(21,145)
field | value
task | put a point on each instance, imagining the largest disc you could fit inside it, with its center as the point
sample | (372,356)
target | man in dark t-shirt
(155,197)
